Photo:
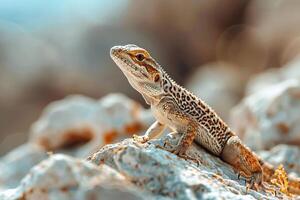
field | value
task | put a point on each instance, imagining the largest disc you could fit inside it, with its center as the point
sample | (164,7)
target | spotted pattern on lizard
(216,132)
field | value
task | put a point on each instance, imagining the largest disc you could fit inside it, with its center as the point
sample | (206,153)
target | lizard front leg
(185,142)
(155,130)
(184,124)
(243,160)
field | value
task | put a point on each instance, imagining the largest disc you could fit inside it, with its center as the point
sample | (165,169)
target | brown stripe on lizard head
(143,58)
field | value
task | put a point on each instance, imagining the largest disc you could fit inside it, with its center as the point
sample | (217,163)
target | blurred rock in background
(269,116)
(287,155)
(79,125)
(274,75)
(276,24)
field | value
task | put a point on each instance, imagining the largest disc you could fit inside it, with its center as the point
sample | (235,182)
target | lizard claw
(181,152)
(254,182)
(141,139)
(187,157)
(178,150)
(250,184)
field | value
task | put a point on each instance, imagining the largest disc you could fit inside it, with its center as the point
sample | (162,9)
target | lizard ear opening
(156,78)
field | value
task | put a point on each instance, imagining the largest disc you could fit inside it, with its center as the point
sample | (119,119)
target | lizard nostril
(115,50)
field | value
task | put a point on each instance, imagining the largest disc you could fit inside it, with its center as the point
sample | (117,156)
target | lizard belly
(208,142)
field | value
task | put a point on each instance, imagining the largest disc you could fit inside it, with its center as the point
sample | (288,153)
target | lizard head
(141,70)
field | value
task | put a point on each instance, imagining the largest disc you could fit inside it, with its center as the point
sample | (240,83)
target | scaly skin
(181,111)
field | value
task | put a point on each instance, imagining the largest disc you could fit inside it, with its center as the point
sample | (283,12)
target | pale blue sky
(38,12)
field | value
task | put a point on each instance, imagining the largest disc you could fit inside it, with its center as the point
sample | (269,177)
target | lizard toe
(141,139)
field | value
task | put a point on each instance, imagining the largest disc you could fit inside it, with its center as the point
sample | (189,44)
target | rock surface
(270,116)
(64,178)
(17,163)
(165,175)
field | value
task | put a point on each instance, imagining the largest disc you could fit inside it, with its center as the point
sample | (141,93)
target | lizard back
(213,133)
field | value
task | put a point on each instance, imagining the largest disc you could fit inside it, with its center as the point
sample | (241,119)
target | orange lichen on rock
(283,127)
(71,138)
(133,128)
(44,143)
(110,136)
(77,138)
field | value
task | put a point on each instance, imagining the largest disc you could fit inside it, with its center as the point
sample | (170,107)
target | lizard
(180,110)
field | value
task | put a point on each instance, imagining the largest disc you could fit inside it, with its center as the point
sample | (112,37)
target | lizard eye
(140,57)
(156,78)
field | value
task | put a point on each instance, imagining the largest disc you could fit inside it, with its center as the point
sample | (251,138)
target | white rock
(165,175)
(270,116)
(273,76)
(287,155)
(64,178)
(17,163)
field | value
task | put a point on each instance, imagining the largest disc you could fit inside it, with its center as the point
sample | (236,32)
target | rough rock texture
(165,175)
(228,87)
(270,116)
(16,164)
(78,125)
(62,177)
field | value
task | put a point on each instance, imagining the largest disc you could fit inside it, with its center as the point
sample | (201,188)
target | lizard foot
(252,182)
(141,139)
(187,157)
(255,182)
(180,151)
(177,150)
(245,161)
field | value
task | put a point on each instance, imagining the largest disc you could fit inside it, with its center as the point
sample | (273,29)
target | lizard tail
(268,172)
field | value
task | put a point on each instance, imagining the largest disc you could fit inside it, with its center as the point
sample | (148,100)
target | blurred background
(50,49)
